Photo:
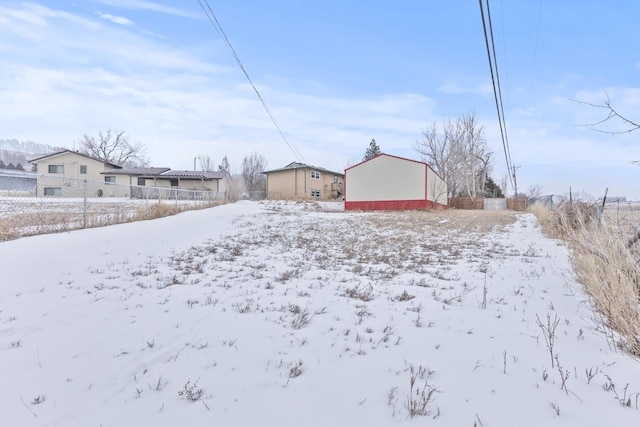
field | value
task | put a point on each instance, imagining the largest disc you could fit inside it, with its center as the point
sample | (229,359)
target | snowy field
(299,314)
(27,216)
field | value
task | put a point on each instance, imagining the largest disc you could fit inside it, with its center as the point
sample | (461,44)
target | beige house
(300,181)
(216,182)
(68,173)
(62,173)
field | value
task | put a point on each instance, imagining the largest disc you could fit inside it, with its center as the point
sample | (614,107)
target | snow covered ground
(299,314)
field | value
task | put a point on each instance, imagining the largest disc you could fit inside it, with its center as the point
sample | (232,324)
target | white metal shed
(388,182)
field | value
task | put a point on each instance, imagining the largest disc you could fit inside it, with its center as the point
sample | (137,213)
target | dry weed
(604,264)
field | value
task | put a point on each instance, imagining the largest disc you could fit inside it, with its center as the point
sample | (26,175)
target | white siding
(386,178)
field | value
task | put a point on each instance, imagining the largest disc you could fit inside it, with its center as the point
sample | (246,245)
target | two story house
(300,181)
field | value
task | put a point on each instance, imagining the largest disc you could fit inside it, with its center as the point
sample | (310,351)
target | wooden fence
(516,204)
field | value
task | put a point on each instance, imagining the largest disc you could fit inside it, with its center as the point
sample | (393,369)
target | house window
(315,175)
(315,193)
(56,168)
(52,191)
(174,182)
(83,169)
(335,179)
(141,181)
(110,180)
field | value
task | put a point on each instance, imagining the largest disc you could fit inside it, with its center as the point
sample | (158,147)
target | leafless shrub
(301,317)
(362,312)
(392,398)
(564,375)
(361,293)
(606,267)
(244,307)
(38,399)
(405,296)
(549,333)
(556,407)
(560,222)
(590,373)
(625,399)
(289,274)
(421,395)
(296,369)
(191,391)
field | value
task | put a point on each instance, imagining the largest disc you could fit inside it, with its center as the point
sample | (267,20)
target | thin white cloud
(121,20)
(151,6)
(22,15)
(40,14)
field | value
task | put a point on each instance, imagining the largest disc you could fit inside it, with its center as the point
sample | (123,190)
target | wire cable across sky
(497,92)
(204,4)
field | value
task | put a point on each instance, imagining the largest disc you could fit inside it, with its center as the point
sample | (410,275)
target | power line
(495,61)
(497,92)
(214,21)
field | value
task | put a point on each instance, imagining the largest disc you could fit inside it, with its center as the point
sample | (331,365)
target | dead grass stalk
(604,264)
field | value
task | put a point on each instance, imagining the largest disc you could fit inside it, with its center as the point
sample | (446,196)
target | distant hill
(17,152)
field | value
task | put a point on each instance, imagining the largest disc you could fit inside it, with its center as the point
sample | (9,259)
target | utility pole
(515,182)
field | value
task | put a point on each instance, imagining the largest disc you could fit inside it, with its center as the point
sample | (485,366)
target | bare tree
(503,184)
(207,164)
(475,154)
(224,165)
(459,153)
(439,150)
(534,191)
(113,147)
(252,168)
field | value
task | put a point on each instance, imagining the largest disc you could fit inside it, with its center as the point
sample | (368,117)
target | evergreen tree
(372,151)
(19,167)
(11,166)
(491,189)
(2,165)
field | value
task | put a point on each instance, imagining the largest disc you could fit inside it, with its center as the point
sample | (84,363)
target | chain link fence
(33,204)
(624,214)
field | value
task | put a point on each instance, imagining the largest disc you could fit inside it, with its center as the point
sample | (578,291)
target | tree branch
(612,114)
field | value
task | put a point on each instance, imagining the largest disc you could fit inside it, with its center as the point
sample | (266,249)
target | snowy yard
(27,216)
(300,314)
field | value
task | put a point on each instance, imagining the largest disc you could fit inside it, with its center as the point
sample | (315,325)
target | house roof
(59,153)
(296,165)
(167,173)
(199,175)
(136,171)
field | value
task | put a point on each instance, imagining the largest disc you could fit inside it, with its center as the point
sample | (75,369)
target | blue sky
(335,74)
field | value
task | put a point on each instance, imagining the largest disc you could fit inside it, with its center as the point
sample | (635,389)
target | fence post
(85,204)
